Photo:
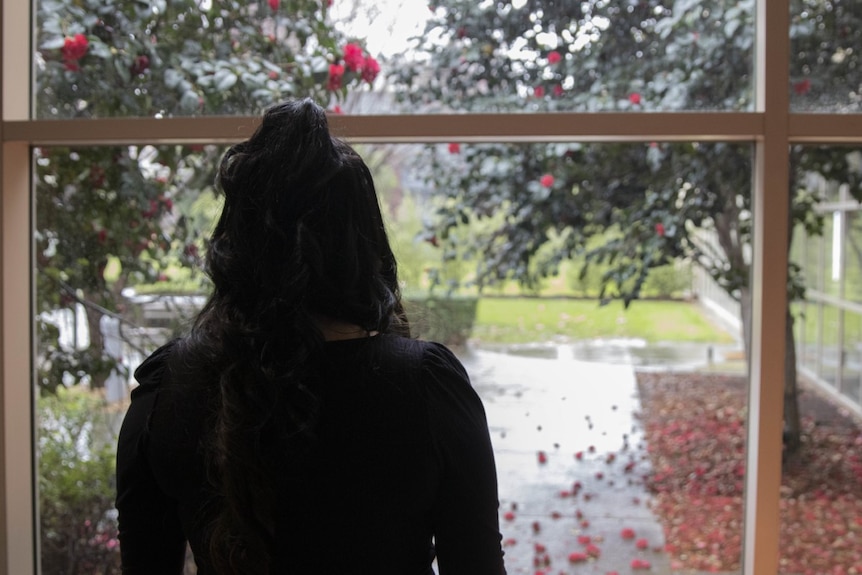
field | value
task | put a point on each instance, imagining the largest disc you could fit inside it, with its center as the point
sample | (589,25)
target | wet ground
(570,453)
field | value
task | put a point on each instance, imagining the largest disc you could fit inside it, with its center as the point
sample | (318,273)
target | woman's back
(399,453)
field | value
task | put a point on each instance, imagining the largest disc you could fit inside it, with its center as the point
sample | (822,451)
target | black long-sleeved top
(401,454)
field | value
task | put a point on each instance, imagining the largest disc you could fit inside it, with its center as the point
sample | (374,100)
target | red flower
(584,539)
(579,455)
(353,57)
(539,548)
(635,98)
(802,87)
(539,92)
(273,75)
(642,544)
(558,90)
(509,516)
(536,526)
(543,457)
(336,72)
(547,180)
(509,542)
(640,564)
(273,4)
(370,69)
(139,65)
(554,57)
(659,229)
(454,148)
(593,550)
(577,557)
(74,49)
(627,533)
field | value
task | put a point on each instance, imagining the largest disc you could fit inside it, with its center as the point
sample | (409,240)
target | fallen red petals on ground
(695,434)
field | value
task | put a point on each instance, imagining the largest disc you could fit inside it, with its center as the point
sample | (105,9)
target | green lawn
(523,320)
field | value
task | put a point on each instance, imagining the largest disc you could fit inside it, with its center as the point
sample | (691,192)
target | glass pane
(830,346)
(851,375)
(825,70)
(853,257)
(806,334)
(118,236)
(821,478)
(200,58)
(613,483)
(830,267)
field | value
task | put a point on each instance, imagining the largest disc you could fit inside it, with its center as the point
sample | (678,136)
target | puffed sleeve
(467,532)
(150,533)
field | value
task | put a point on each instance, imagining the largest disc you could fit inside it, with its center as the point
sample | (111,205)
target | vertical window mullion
(17,517)
(769,291)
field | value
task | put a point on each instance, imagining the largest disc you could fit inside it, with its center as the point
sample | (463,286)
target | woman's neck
(337,330)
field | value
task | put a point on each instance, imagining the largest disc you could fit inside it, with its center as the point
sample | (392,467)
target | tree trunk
(792,421)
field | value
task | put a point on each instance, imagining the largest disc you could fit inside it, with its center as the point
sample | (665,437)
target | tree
(110,218)
(651,202)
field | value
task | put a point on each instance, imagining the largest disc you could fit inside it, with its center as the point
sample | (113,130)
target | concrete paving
(570,460)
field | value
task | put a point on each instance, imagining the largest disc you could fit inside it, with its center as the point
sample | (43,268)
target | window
(764,121)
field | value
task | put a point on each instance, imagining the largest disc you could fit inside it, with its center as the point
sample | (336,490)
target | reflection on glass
(806,334)
(831,247)
(825,69)
(853,257)
(830,345)
(821,497)
(851,374)
(821,481)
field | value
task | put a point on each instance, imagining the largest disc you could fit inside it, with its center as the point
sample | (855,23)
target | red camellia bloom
(273,4)
(554,57)
(539,92)
(74,49)
(547,180)
(353,58)
(659,229)
(370,69)
(627,533)
(140,65)
(802,87)
(558,90)
(336,72)
(543,457)
(577,557)
(454,148)
(635,98)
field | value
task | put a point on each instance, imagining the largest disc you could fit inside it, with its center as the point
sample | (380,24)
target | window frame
(771,128)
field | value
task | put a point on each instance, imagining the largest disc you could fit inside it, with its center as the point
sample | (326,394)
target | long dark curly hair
(300,237)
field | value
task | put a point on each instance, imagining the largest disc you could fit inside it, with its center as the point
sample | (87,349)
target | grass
(524,320)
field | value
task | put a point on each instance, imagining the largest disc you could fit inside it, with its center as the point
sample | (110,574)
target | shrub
(78,524)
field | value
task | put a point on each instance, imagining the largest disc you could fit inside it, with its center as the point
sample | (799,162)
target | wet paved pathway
(570,460)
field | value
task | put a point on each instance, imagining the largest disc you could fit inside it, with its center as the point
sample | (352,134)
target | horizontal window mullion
(404,128)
